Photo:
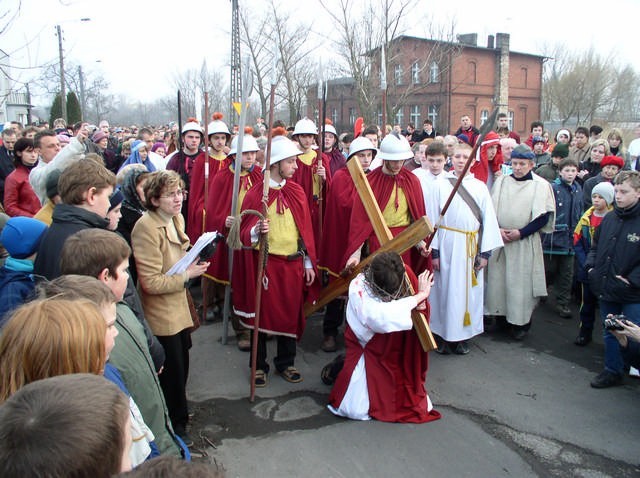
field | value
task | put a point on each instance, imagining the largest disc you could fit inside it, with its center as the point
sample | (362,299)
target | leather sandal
(291,375)
(261,379)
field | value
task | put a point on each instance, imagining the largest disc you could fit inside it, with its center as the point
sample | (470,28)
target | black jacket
(66,220)
(615,250)
(6,168)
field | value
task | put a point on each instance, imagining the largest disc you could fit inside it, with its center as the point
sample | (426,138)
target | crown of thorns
(382,294)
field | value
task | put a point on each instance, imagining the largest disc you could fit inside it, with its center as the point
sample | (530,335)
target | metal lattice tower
(236,76)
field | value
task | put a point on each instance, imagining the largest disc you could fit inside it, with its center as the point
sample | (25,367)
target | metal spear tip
(489,123)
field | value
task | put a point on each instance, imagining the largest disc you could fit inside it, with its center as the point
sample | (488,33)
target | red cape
(218,208)
(196,193)
(304,177)
(281,309)
(382,185)
(480,169)
(396,368)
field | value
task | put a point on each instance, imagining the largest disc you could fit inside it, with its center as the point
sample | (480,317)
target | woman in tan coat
(159,241)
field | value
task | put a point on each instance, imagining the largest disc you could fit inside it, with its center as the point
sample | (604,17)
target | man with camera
(628,334)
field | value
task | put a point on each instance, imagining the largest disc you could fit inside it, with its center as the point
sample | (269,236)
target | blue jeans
(612,357)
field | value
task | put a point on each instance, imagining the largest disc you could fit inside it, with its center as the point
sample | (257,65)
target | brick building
(443,81)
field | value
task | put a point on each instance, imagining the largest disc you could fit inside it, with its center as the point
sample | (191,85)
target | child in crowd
(602,198)
(558,245)
(21,238)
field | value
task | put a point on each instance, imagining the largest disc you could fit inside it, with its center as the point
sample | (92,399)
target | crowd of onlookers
(96,217)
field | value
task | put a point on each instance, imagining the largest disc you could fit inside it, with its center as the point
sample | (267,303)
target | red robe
(332,250)
(396,370)
(195,216)
(360,226)
(304,176)
(218,209)
(481,166)
(281,310)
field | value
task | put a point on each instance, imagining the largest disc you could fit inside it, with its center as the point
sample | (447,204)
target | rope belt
(472,251)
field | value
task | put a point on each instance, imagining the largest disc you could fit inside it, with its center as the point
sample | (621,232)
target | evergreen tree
(56,110)
(74,111)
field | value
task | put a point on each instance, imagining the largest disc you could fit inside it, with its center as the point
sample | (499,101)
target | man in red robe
(290,268)
(336,227)
(218,219)
(385,368)
(313,172)
(399,196)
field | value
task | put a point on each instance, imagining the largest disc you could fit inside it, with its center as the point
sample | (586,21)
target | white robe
(516,273)
(453,294)
(367,316)
(429,192)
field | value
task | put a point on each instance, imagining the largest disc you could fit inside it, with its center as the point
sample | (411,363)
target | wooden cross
(404,241)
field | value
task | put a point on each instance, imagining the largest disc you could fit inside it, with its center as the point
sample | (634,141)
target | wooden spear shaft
(263,243)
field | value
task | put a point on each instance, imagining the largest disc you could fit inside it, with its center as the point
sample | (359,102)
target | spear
(484,129)
(264,239)
(179,124)
(323,132)
(247,85)
(383,87)
(207,162)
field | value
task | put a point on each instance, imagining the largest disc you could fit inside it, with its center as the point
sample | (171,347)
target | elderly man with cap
(313,172)
(525,205)
(399,196)
(218,219)
(290,270)
(609,167)
(183,162)
(336,226)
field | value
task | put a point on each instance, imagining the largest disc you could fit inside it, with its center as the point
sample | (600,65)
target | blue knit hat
(21,236)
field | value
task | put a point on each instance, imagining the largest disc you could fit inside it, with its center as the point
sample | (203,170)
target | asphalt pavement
(509,409)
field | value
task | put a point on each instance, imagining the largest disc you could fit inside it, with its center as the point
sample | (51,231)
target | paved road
(509,409)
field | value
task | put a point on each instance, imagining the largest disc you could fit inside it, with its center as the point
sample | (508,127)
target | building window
(397,73)
(415,73)
(434,73)
(414,117)
(400,117)
(352,115)
(511,115)
(471,72)
(433,115)
(334,116)
(525,77)
(484,114)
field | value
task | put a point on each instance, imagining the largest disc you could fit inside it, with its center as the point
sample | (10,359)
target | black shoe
(518,332)
(443,346)
(606,379)
(462,348)
(564,312)
(582,340)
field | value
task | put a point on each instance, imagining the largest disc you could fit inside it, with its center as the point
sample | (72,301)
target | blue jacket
(615,251)
(16,286)
(568,212)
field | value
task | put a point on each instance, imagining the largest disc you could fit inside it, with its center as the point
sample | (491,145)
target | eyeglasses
(175,194)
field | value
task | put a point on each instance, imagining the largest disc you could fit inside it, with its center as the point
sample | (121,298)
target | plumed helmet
(305,126)
(218,126)
(361,143)
(249,144)
(282,148)
(395,148)
(192,125)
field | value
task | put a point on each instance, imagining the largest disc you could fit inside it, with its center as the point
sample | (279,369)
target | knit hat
(115,199)
(21,236)
(522,151)
(157,146)
(604,189)
(99,136)
(537,139)
(464,138)
(560,150)
(612,161)
(563,132)
(63,138)
(51,184)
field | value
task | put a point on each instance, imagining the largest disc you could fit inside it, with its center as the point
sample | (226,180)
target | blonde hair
(46,338)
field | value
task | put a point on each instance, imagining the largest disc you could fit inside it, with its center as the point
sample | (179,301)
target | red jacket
(19,198)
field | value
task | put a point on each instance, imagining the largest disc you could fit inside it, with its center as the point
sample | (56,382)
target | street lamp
(63,93)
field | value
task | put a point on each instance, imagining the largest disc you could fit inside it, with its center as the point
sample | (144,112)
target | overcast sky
(138,44)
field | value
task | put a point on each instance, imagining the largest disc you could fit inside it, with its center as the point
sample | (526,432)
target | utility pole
(63,93)
(236,76)
(83,104)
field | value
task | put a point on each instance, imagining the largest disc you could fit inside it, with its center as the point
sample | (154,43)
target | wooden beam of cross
(404,241)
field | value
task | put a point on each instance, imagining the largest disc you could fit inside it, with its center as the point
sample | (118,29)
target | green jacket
(132,359)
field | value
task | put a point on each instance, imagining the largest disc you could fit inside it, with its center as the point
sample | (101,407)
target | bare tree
(194,82)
